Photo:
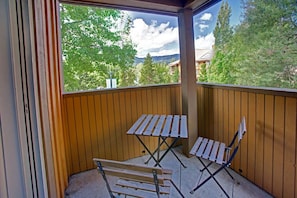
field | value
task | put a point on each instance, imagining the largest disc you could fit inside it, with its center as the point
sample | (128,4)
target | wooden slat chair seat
(135,180)
(217,152)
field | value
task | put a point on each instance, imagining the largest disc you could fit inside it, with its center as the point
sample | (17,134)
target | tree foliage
(154,73)
(95,42)
(223,31)
(269,34)
(221,66)
(262,51)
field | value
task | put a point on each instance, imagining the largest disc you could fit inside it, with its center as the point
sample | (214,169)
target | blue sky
(158,34)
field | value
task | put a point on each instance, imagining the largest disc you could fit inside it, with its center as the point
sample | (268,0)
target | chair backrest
(241,129)
(134,180)
(240,133)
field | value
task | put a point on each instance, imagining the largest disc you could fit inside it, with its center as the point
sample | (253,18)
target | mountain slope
(159,59)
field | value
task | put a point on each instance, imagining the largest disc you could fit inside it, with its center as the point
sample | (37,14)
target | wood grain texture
(267,155)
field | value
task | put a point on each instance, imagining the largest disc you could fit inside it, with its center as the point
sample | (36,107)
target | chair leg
(170,148)
(201,170)
(181,194)
(211,176)
(229,173)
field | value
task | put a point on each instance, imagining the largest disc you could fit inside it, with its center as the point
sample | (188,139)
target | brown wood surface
(268,152)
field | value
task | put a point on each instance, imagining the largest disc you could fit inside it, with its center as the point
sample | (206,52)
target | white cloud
(152,38)
(202,27)
(205,42)
(206,16)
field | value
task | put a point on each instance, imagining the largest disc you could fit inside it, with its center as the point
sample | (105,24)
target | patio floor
(90,183)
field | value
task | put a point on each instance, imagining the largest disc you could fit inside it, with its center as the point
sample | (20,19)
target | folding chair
(217,152)
(135,180)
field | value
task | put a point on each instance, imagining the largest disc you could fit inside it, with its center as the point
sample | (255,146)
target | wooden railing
(95,125)
(96,122)
(268,155)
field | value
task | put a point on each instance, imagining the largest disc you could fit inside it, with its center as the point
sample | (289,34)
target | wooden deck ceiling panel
(162,6)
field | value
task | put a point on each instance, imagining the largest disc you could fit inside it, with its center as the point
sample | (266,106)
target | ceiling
(158,6)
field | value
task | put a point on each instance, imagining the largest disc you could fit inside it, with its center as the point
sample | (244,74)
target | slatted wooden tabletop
(174,126)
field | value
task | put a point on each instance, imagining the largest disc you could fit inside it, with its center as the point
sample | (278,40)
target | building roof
(200,55)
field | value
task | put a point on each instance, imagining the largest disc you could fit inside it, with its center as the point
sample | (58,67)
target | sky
(158,34)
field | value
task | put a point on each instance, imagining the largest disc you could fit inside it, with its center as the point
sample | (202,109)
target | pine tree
(147,71)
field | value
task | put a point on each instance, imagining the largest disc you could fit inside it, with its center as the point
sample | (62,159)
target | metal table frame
(163,127)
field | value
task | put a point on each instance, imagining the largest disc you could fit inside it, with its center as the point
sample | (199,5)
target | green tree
(95,42)
(223,31)
(203,76)
(221,65)
(127,77)
(161,73)
(154,73)
(147,71)
(268,38)
(176,75)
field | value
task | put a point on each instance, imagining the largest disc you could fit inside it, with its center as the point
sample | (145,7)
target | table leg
(157,150)
(170,149)
(152,156)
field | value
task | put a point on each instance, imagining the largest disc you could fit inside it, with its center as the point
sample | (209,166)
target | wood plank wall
(268,152)
(95,123)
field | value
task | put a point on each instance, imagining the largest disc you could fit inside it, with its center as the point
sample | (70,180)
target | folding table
(163,127)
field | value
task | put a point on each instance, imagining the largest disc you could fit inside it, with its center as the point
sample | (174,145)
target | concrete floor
(90,183)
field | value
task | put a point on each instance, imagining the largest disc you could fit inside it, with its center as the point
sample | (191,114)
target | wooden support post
(188,75)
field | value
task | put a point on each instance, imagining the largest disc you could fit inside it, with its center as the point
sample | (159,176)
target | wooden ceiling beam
(171,7)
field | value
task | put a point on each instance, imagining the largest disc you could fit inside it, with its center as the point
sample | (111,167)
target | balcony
(95,124)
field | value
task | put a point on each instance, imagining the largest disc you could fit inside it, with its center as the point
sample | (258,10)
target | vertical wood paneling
(80,137)
(168,102)
(93,130)
(210,110)
(111,126)
(237,114)
(97,125)
(66,137)
(278,146)
(215,114)
(118,128)
(174,105)
(129,123)
(220,112)
(139,111)
(200,112)
(231,104)
(150,111)
(290,173)
(244,142)
(251,138)
(124,127)
(105,127)
(86,131)
(268,142)
(134,116)
(206,112)
(259,139)
(225,123)
(154,107)
(72,135)
(144,110)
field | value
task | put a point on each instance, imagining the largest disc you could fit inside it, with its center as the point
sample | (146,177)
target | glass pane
(248,43)
(111,48)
